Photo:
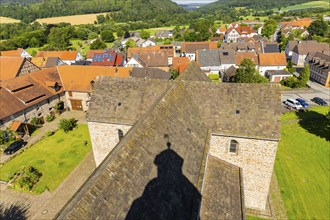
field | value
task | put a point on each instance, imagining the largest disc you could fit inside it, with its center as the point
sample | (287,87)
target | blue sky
(193,1)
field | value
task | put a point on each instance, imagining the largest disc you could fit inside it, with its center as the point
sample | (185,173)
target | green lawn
(314,4)
(55,156)
(303,164)
(248,217)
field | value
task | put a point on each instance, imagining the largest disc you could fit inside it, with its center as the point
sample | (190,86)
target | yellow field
(73,20)
(5,20)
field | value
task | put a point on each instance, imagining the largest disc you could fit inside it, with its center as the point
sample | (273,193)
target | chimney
(196,56)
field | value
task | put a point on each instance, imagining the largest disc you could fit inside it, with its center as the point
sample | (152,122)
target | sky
(193,1)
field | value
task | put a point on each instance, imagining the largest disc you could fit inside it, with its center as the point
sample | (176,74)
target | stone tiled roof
(208,58)
(150,73)
(223,194)
(155,172)
(305,48)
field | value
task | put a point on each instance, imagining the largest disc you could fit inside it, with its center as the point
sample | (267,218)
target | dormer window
(233,147)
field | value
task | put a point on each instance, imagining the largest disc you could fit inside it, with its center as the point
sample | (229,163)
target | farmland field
(73,20)
(6,20)
(314,4)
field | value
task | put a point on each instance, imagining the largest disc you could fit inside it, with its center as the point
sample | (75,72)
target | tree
(318,27)
(67,124)
(98,44)
(247,73)
(290,67)
(59,38)
(304,76)
(130,43)
(107,36)
(100,19)
(144,34)
(92,35)
(82,33)
(167,41)
(34,42)
(269,28)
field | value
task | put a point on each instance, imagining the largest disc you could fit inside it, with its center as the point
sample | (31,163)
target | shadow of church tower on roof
(168,196)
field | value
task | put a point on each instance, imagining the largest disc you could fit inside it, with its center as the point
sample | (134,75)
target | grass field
(303,164)
(314,4)
(55,156)
(74,19)
(152,31)
(6,20)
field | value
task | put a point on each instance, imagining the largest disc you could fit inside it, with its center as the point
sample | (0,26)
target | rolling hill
(121,10)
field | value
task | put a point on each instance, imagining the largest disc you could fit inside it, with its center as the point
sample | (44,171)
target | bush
(67,124)
(50,118)
(49,133)
(214,76)
(36,121)
(59,106)
(26,178)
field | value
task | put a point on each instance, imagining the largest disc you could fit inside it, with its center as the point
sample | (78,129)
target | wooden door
(76,104)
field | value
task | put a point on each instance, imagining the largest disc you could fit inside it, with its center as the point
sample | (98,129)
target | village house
(277,75)
(67,57)
(20,52)
(108,59)
(29,96)
(139,42)
(319,66)
(164,151)
(215,61)
(78,82)
(158,48)
(236,31)
(163,34)
(240,56)
(301,50)
(47,62)
(188,49)
(161,59)
(11,67)
(221,30)
(271,61)
(292,44)
(296,24)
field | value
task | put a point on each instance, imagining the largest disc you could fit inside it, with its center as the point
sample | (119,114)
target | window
(120,134)
(233,147)
(70,93)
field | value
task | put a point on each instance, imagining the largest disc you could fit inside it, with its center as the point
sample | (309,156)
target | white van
(293,104)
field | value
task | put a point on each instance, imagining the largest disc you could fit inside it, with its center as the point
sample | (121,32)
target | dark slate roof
(82,63)
(208,58)
(193,73)
(222,180)
(150,73)
(155,172)
(231,71)
(278,72)
(271,48)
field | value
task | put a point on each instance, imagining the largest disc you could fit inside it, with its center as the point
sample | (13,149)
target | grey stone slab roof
(116,100)
(209,58)
(150,73)
(155,172)
(222,194)
(271,48)
(305,48)
(258,104)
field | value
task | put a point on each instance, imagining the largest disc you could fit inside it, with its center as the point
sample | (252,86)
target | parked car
(303,102)
(319,101)
(291,103)
(13,147)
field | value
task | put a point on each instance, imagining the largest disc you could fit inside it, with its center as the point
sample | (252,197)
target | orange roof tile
(178,61)
(15,125)
(157,48)
(304,22)
(240,56)
(63,55)
(78,78)
(9,67)
(12,53)
(272,59)
(223,29)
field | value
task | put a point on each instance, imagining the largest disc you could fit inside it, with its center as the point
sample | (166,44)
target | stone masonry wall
(256,158)
(104,138)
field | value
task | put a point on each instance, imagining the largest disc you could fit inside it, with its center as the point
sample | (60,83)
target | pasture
(73,20)
(307,5)
(6,20)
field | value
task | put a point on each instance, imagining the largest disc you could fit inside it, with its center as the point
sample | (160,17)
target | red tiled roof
(272,59)
(12,53)
(63,55)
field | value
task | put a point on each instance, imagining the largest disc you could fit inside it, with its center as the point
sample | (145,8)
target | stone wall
(104,138)
(256,158)
(83,96)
